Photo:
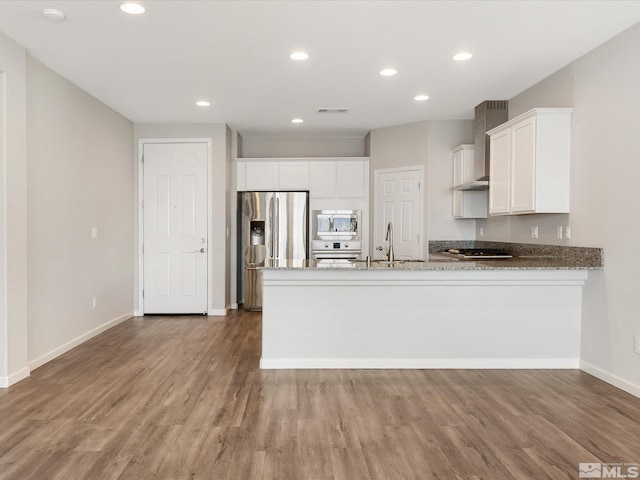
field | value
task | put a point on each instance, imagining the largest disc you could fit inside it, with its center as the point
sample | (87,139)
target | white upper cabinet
(261,175)
(293,176)
(499,173)
(323,179)
(351,179)
(466,204)
(530,163)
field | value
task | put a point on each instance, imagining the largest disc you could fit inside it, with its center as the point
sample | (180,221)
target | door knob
(200,251)
(379,248)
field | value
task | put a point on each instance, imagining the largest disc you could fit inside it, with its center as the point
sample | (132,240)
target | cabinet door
(261,175)
(351,179)
(241,176)
(293,176)
(322,179)
(499,184)
(523,166)
(458,179)
(458,168)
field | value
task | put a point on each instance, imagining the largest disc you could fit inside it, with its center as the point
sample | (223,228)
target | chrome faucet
(389,238)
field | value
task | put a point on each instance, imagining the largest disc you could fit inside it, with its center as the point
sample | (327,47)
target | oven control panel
(349,246)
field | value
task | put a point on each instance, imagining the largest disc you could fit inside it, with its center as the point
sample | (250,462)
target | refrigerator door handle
(271,224)
(277,228)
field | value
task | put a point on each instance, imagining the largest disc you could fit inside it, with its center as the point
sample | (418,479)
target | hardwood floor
(183,398)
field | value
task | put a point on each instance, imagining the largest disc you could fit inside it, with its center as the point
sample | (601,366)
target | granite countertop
(525,257)
(438,262)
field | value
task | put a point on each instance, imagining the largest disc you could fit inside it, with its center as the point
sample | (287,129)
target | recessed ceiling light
(421,98)
(297,120)
(462,56)
(299,56)
(53,14)
(387,72)
(203,103)
(132,8)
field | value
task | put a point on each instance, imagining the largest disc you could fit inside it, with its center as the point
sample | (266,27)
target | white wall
(80,176)
(443,136)
(13,214)
(265,147)
(220,208)
(602,88)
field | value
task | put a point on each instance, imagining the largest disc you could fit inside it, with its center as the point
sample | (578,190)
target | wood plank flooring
(183,398)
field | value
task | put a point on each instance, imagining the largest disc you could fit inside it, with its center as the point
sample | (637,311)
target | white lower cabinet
(530,163)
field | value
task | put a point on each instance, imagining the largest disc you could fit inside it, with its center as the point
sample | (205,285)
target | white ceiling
(153,67)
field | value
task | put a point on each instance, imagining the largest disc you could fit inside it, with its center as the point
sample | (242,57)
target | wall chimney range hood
(489,114)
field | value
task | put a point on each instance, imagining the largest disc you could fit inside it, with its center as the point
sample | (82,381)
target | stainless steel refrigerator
(273,228)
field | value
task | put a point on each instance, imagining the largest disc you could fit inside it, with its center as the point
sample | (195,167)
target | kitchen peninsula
(517,313)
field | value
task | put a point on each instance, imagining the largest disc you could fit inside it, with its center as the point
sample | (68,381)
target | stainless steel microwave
(336,225)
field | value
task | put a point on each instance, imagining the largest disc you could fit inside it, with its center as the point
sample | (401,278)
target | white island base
(376,318)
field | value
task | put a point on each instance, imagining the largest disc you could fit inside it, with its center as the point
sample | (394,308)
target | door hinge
(143,293)
(143,249)
(419,185)
(142,158)
(418,238)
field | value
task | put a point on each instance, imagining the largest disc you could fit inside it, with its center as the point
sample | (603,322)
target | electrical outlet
(95,302)
(534,232)
(481,232)
(638,344)
(559,232)
(567,232)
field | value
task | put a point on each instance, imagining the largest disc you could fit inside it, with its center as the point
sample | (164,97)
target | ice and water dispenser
(256,232)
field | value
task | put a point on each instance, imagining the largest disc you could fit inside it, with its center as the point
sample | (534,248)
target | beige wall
(398,146)
(13,213)
(602,88)
(427,144)
(444,136)
(220,135)
(265,147)
(80,176)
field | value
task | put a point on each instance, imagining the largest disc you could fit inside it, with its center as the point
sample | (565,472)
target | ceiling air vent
(333,110)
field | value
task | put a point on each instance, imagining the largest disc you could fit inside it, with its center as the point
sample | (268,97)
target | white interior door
(398,199)
(175,228)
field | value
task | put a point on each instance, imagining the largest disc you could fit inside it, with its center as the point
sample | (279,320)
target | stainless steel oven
(334,250)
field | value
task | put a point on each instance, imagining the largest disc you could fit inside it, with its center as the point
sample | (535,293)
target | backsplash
(583,256)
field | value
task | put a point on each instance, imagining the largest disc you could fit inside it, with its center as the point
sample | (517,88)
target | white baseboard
(419,363)
(138,313)
(234,306)
(6,382)
(218,311)
(611,378)
(56,352)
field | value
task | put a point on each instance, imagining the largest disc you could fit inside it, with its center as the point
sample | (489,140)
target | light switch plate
(94,232)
